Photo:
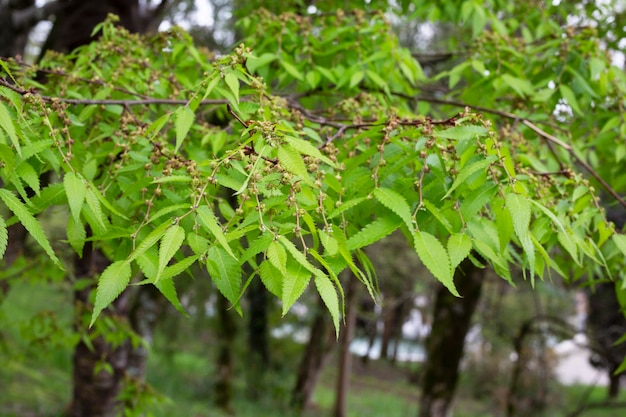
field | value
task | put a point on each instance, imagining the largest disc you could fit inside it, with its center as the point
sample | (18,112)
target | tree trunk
(317,349)
(345,357)
(95,393)
(445,344)
(226,332)
(258,342)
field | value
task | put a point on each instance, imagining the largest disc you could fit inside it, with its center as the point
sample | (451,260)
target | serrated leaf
(257,246)
(396,203)
(346,206)
(197,243)
(467,171)
(183,119)
(75,190)
(94,204)
(435,257)
(519,209)
(150,240)
(4,237)
(459,247)
(76,235)
(226,274)
(171,241)
(277,256)
(272,278)
(27,174)
(149,264)
(307,148)
(292,161)
(329,242)
(6,123)
(294,283)
(570,97)
(297,255)
(112,282)
(620,242)
(30,223)
(208,220)
(167,288)
(178,268)
(329,296)
(233,83)
(373,232)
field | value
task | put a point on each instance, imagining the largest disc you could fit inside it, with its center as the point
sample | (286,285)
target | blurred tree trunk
(345,357)
(258,341)
(316,351)
(444,347)
(95,392)
(226,332)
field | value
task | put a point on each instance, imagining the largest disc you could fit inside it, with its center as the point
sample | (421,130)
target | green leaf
(459,247)
(468,170)
(178,268)
(208,220)
(76,190)
(183,120)
(257,246)
(233,83)
(329,242)
(272,278)
(29,222)
(570,97)
(4,237)
(306,148)
(356,78)
(171,241)
(519,209)
(293,284)
(373,232)
(327,292)
(149,241)
(292,70)
(6,123)
(255,62)
(396,203)
(435,257)
(292,161)
(112,282)
(297,255)
(226,274)
(620,242)
(27,174)
(167,288)
(94,204)
(521,86)
(76,235)
(461,132)
(277,256)
(346,206)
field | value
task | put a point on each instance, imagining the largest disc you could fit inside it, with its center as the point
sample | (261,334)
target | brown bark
(258,340)
(444,347)
(345,357)
(315,354)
